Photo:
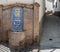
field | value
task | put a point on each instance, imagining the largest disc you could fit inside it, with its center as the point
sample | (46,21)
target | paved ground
(51,34)
(50,50)
(4,48)
(50,41)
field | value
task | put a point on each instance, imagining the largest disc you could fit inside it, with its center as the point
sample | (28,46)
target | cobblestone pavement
(4,48)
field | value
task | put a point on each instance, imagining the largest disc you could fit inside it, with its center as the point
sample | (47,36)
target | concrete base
(16,39)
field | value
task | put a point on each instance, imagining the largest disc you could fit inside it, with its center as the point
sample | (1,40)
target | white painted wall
(58,5)
(49,5)
(6,2)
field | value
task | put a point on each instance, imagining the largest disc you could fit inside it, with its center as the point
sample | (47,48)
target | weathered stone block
(16,39)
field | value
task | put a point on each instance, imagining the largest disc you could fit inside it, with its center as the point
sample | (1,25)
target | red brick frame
(35,17)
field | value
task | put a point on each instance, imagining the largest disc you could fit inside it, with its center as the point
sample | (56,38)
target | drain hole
(50,39)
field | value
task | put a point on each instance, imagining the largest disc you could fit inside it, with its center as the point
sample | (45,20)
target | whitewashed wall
(5,2)
(58,5)
(49,5)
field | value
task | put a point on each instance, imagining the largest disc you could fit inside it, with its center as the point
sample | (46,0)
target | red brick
(36,24)
(28,25)
(1,11)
